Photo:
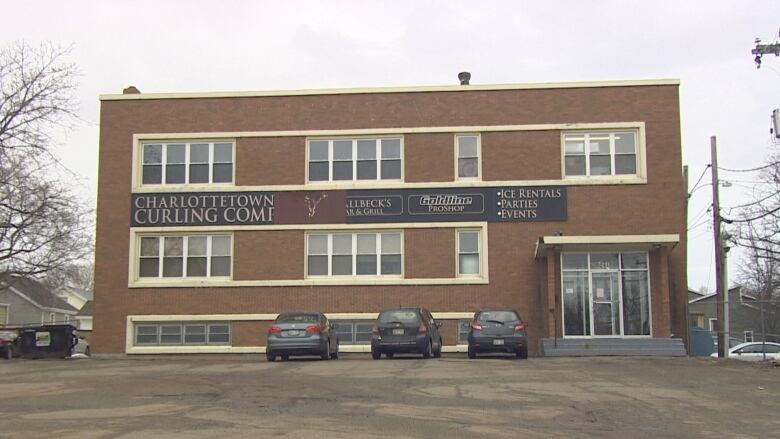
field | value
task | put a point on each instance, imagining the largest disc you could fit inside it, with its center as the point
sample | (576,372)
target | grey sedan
(302,333)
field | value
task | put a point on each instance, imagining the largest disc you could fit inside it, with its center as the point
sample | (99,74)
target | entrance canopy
(603,242)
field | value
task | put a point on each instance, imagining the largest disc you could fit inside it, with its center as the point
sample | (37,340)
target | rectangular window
(354,332)
(354,159)
(748,336)
(713,326)
(354,254)
(463,331)
(187,163)
(178,333)
(605,294)
(467,153)
(600,153)
(469,263)
(185,256)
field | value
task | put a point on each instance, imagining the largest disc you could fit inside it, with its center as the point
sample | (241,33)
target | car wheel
(325,355)
(376,354)
(472,352)
(428,350)
(389,355)
(285,357)
(270,356)
(523,353)
(437,352)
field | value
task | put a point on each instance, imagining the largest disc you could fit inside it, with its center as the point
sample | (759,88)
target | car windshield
(400,315)
(498,316)
(298,318)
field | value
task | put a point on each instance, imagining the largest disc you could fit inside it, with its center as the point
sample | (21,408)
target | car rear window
(403,316)
(298,318)
(498,316)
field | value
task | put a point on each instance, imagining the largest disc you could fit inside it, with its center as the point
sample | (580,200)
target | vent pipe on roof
(131,90)
(464,78)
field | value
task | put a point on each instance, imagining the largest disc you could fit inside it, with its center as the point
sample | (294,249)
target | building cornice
(378,90)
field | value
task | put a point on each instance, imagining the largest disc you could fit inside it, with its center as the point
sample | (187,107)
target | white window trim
(181,325)
(7,312)
(745,336)
(354,182)
(354,254)
(138,164)
(482,236)
(136,257)
(479,157)
(641,155)
(620,293)
(136,232)
(713,325)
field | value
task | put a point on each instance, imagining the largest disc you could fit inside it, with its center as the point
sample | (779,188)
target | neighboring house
(744,316)
(84,317)
(75,296)
(26,301)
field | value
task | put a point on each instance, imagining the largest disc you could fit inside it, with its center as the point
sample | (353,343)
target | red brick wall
(653,208)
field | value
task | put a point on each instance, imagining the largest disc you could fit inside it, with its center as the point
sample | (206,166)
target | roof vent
(464,78)
(131,91)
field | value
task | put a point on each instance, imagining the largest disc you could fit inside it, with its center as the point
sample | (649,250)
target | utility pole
(722,349)
(764,49)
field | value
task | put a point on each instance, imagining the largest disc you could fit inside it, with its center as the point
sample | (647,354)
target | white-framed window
(748,336)
(463,331)
(469,260)
(354,254)
(356,332)
(187,162)
(467,157)
(359,159)
(602,153)
(182,333)
(605,294)
(713,326)
(3,314)
(52,317)
(185,256)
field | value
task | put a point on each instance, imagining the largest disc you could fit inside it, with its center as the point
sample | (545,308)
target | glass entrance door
(606,304)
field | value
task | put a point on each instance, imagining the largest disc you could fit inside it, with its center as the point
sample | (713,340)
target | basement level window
(178,333)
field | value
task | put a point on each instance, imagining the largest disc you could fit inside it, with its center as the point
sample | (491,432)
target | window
(187,163)
(463,331)
(468,148)
(3,314)
(600,154)
(605,294)
(354,159)
(52,318)
(714,326)
(469,253)
(177,333)
(748,336)
(185,256)
(354,332)
(354,254)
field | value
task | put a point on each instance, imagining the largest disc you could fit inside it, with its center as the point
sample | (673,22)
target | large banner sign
(537,203)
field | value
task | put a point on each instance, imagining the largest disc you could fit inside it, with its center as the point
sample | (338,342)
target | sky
(180,46)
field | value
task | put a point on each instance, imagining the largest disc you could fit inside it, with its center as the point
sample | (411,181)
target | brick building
(216,211)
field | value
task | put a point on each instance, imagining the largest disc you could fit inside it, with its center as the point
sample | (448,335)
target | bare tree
(43,224)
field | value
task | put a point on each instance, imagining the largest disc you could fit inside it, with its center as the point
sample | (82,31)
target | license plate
(293,333)
(398,331)
(498,341)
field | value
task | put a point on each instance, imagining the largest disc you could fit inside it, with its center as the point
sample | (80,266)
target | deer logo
(312,204)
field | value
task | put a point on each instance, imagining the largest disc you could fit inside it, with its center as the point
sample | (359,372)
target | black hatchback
(403,331)
(498,330)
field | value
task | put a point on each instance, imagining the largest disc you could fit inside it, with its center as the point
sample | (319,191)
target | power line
(769,165)
(699,180)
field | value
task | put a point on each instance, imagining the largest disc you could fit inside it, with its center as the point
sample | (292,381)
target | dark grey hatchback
(498,330)
(403,331)
(302,333)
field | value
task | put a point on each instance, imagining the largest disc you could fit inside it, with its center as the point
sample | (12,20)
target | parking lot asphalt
(356,397)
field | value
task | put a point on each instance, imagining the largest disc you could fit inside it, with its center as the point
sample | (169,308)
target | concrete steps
(578,347)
